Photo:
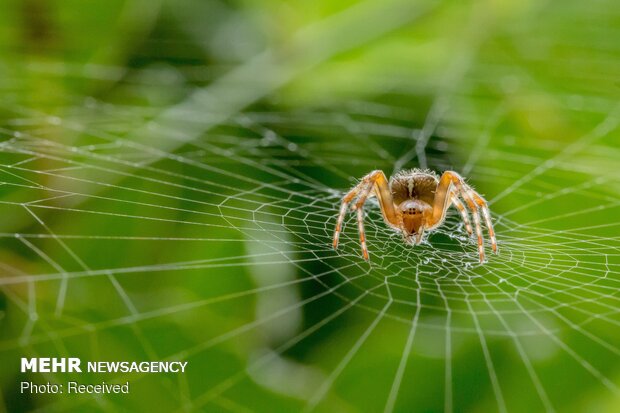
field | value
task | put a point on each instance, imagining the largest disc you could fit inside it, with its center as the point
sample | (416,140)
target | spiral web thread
(550,294)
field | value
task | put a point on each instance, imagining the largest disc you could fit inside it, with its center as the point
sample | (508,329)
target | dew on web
(113,239)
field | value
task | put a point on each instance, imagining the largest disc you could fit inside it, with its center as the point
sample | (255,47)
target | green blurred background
(171,172)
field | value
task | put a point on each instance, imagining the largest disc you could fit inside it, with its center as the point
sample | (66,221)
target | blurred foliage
(348,86)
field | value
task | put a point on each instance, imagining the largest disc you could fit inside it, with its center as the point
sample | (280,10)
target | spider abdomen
(414,184)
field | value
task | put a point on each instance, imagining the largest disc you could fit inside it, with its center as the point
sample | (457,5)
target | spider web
(127,226)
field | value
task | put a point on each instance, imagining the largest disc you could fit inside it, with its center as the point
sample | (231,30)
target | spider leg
(359,207)
(482,204)
(363,195)
(343,211)
(361,191)
(374,183)
(465,192)
(459,205)
(448,180)
(360,226)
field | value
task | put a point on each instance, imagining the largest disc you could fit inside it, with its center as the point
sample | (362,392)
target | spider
(414,201)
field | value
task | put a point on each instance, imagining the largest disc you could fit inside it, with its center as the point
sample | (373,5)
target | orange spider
(414,201)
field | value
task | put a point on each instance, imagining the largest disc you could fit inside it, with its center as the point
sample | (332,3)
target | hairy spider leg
(482,205)
(466,194)
(364,194)
(375,183)
(343,211)
(364,189)
(459,205)
(360,226)
(487,218)
(440,203)
(380,187)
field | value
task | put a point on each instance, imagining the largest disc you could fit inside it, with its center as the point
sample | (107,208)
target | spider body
(413,193)
(414,201)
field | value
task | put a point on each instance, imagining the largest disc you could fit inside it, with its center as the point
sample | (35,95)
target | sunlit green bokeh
(171,173)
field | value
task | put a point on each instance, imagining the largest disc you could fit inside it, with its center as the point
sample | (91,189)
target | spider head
(413,213)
